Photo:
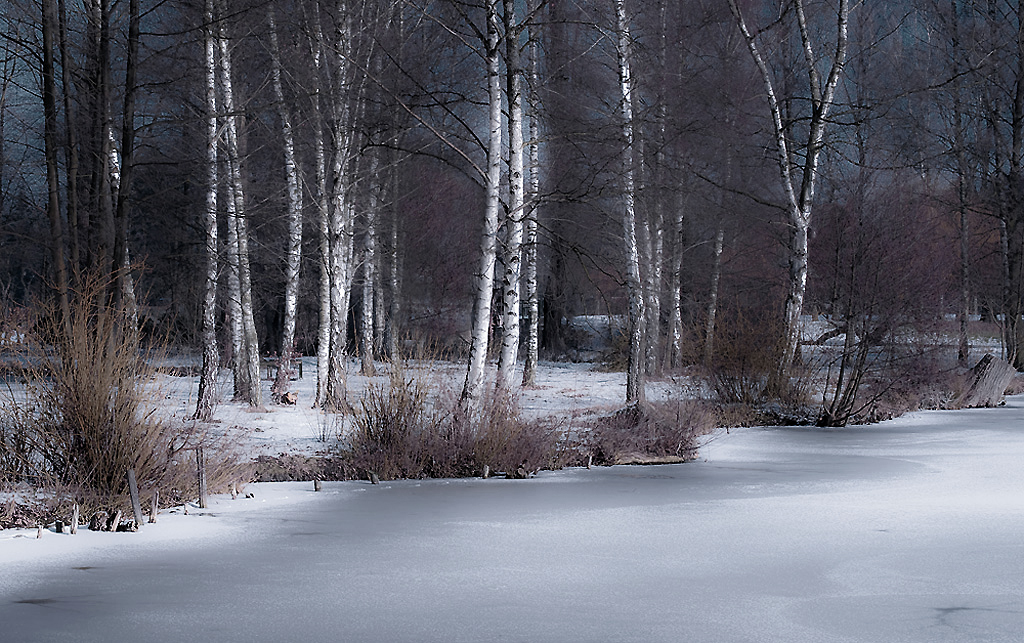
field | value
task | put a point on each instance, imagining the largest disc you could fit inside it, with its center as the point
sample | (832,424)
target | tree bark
(798,171)
(207,397)
(57,240)
(510,325)
(473,387)
(293,253)
(635,392)
(531,295)
(369,261)
(247,365)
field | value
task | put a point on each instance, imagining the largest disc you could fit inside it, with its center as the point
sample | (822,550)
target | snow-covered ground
(908,530)
(563,389)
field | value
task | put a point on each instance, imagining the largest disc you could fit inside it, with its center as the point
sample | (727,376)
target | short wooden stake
(234,491)
(74,519)
(590,460)
(154,507)
(133,490)
(316,485)
(39,532)
(201,469)
(487,472)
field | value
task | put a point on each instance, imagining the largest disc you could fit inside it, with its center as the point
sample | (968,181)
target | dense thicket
(345,151)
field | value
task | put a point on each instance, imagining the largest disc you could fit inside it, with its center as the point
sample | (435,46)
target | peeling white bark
(510,325)
(634,285)
(473,388)
(293,253)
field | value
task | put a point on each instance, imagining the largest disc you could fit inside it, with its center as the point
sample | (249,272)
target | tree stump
(98,522)
(987,383)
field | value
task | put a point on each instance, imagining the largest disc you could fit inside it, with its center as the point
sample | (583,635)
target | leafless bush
(402,432)
(658,432)
(88,414)
(746,353)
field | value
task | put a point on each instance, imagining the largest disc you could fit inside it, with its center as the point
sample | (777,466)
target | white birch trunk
(675,289)
(514,239)
(247,374)
(394,272)
(207,397)
(533,210)
(634,286)
(798,172)
(369,261)
(473,387)
(322,201)
(293,256)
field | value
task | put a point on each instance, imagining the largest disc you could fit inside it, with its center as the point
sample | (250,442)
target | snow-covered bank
(903,531)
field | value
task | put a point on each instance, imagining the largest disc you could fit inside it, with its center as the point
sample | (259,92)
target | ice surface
(908,530)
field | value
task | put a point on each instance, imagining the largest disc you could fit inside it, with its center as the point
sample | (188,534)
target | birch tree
(531,224)
(512,255)
(293,253)
(247,358)
(480,333)
(798,158)
(207,397)
(634,284)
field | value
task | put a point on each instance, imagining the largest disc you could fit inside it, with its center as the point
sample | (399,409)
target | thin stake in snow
(133,490)
(201,471)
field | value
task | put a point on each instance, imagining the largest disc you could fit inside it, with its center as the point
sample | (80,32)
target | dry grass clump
(88,414)
(403,432)
(661,432)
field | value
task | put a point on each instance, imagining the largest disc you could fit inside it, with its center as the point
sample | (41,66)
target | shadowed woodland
(814,206)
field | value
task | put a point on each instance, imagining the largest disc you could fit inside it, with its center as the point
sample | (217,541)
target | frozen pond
(906,531)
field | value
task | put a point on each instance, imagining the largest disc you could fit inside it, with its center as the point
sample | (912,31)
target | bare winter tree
(207,397)
(634,285)
(293,254)
(473,387)
(246,353)
(531,224)
(799,141)
(512,250)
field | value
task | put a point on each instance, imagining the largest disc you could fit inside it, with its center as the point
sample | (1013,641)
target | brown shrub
(402,432)
(88,415)
(658,432)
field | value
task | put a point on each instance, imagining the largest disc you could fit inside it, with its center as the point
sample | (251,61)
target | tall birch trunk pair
(244,342)
(520,218)
(798,171)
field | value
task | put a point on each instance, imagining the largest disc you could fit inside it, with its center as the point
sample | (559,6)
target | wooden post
(133,490)
(487,472)
(154,508)
(39,532)
(234,491)
(590,460)
(201,469)
(74,519)
(316,485)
